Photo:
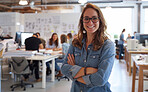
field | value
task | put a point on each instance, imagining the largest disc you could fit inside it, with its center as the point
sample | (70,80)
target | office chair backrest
(116,42)
(20,65)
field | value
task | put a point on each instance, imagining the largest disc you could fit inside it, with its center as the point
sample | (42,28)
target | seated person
(65,47)
(129,37)
(52,43)
(133,37)
(69,38)
(48,70)
(33,43)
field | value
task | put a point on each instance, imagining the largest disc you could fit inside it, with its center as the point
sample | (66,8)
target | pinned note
(52,30)
(72,31)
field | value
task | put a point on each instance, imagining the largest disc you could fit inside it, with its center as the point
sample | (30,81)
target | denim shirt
(65,47)
(121,40)
(101,59)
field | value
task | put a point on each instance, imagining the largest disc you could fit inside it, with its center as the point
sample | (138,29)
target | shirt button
(84,60)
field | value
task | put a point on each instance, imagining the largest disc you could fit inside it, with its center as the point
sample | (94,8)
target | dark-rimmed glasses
(93,19)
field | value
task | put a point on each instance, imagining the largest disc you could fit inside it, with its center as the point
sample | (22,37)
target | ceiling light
(82,1)
(23,2)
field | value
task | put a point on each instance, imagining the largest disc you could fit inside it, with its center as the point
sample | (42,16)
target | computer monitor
(25,35)
(143,37)
(18,38)
(137,36)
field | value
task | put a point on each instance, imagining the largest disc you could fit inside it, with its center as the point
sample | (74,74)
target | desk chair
(1,54)
(1,58)
(145,77)
(20,66)
(62,77)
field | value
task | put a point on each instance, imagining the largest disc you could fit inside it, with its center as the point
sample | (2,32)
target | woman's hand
(81,80)
(61,52)
(91,70)
(48,49)
(71,59)
(55,49)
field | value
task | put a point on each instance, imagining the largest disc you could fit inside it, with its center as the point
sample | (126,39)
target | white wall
(48,23)
(8,22)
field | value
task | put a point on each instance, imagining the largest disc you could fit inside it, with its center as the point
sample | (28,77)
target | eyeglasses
(93,19)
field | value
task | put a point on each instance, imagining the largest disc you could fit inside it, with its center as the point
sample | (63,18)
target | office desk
(43,58)
(128,57)
(141,65)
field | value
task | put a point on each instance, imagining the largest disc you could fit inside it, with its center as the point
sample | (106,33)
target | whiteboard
(48,23)
(45,23)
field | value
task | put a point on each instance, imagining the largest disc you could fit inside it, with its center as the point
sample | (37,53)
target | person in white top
(53,42)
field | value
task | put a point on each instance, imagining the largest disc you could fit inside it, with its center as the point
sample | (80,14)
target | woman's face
(89,25)
(55,37)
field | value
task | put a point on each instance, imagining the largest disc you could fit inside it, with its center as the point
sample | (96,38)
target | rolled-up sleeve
(69,70)
(75,69)
(100,78)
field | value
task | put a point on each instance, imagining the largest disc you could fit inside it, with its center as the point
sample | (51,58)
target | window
(117,19)
(145,21)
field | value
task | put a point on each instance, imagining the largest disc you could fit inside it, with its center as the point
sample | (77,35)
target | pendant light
(82,1)
(23,2)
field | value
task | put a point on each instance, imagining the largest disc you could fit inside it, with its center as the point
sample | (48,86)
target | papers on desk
(140,59)
(22,53)
(19,53)
(42,50)
(39,54)
(48,51)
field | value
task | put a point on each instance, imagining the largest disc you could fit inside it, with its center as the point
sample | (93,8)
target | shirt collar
(84,43)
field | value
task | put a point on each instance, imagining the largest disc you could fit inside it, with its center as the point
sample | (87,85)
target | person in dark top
(48,70)
(42,40)
(33,43)
(133,37)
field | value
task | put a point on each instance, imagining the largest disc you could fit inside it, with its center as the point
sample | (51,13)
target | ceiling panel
(48,1)
(13,6)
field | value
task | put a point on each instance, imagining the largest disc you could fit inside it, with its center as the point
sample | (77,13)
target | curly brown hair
(100,35)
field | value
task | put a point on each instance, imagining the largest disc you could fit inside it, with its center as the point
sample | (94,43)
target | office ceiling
(13,5)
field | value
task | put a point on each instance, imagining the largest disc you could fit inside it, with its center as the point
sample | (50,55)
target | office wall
(45,23)
(48,23)
(7,23)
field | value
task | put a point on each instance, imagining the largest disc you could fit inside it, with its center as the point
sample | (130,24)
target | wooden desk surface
(128,57)
(141,65)
(139,62)
(138,51)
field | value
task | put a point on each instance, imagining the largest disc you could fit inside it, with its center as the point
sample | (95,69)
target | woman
(90,58)
(53,42)
(120,43)
(65,47)
(69,37)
